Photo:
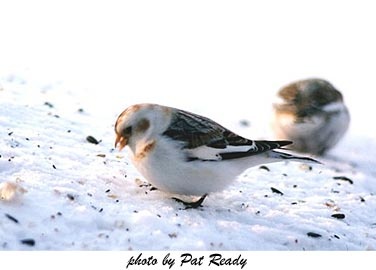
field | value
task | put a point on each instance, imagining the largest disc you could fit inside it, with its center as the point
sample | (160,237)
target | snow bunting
(312,114)
(184,153)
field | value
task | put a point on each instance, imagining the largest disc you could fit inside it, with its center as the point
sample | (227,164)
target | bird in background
(184,153)
(312,114)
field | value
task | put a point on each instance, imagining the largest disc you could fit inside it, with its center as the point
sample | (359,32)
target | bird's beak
(120,142)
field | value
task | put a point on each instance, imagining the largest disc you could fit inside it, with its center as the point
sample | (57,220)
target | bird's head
(141,122)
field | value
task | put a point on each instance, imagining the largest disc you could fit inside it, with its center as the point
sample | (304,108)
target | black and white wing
(204,139)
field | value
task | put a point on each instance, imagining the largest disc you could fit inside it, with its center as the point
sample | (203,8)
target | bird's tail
(282,155)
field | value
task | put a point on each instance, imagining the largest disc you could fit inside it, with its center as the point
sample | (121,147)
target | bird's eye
(128,131)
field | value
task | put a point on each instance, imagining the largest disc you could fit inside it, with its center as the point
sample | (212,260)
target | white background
(216,54)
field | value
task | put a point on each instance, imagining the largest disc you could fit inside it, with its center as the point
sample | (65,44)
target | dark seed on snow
(314,235)
(10,133)
(53,166)
(336,236)
(108,190)
(263,167)
(48,104)
(276,191)
(70,197)
(244,123)
(91,139)
(172,235)
(343,178)
(12,218)
(29,242)
(339,216)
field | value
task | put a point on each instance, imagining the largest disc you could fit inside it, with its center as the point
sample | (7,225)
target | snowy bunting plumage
(184,153)
(312,114)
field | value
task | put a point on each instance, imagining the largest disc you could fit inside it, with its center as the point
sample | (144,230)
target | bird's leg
(189,205)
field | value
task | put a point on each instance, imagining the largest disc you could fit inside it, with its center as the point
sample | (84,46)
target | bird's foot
(194,205)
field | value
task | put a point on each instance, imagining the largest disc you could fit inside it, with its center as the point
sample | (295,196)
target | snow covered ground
(71,194)
(74,195)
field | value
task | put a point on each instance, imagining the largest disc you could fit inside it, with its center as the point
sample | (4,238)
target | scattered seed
(101,210)
(263,167)
(314,235)
(70,197)
(336,236)
(10,133)
(245,123)
(339,216)
(305,167)
(92,140)
(12,218)
(69,131)
(101,155)
(108,190)
(48,104)
(343,178)
(362,199)
(28,242)
(276,191)
(172,235)
(80,110)
(53,166)
(295,186)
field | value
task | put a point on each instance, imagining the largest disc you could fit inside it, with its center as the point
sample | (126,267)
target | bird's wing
(204,139)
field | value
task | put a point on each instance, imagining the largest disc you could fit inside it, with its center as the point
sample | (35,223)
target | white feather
(209,153)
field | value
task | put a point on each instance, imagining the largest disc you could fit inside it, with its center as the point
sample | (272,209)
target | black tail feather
(286,156)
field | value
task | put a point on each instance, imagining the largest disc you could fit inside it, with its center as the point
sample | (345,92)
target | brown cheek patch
(143,125)
(147,149)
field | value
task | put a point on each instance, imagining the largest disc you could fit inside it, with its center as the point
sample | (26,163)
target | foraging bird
(188,154)
(312,114)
